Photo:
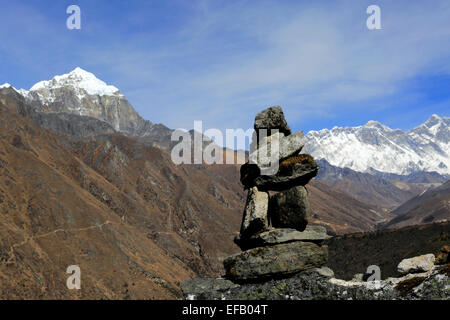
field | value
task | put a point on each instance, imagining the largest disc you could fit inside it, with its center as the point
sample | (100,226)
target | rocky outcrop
(320,284)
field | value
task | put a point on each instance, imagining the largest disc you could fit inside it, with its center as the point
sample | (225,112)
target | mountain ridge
(375,146)
(371,148)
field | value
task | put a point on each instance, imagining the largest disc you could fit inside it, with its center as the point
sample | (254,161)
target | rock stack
(275,235)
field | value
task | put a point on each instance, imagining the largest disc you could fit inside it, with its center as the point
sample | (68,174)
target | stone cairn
(275,235)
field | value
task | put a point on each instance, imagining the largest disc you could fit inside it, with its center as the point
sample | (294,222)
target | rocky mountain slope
(81,93)
(368,188)
(55,212)
(340,212)
(135,223)
(412,264)
(40,104)
(351,254)
(375,146)
(432,205)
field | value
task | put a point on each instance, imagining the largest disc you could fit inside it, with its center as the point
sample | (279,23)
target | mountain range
(371,148)
(376,147)
(85,179)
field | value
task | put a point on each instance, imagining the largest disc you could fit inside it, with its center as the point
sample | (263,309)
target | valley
(85,180)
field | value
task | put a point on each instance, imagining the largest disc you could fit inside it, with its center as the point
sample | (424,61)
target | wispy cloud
(222,61)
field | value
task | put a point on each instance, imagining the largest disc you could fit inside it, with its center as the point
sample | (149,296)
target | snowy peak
(81,93)
(378,125)
(80,79)
(6,85)
(433,125)
(375,146)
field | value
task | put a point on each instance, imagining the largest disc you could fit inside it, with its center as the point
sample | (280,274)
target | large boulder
(272,118)
(290,209)
(316,234)
(417,264)
(275,261)
(293,171)
(255,218)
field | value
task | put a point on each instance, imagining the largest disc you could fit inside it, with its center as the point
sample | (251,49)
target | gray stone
(275,261)
(290,209)
(358,277)
(255,218)
(272,118)
(311,285)
(196,287)
(288,176)
(422,263)
(315,234)
(275,148)
(324,271)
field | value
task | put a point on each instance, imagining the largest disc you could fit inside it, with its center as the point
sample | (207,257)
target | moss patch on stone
(305,158)
(406,286)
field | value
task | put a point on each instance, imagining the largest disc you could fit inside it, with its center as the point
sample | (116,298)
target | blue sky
(223,61)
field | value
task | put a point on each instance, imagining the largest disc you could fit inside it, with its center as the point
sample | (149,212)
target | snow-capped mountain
(82,93)
(375,146)
(82,81)
(5,85)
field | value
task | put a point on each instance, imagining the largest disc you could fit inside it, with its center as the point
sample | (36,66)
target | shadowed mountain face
(341,213)
(431,206)
(368,188)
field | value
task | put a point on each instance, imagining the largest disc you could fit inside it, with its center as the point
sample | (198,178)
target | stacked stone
(275,235)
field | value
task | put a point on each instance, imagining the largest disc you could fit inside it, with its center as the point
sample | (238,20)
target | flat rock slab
(287,176)
(316,234)
(275,261)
